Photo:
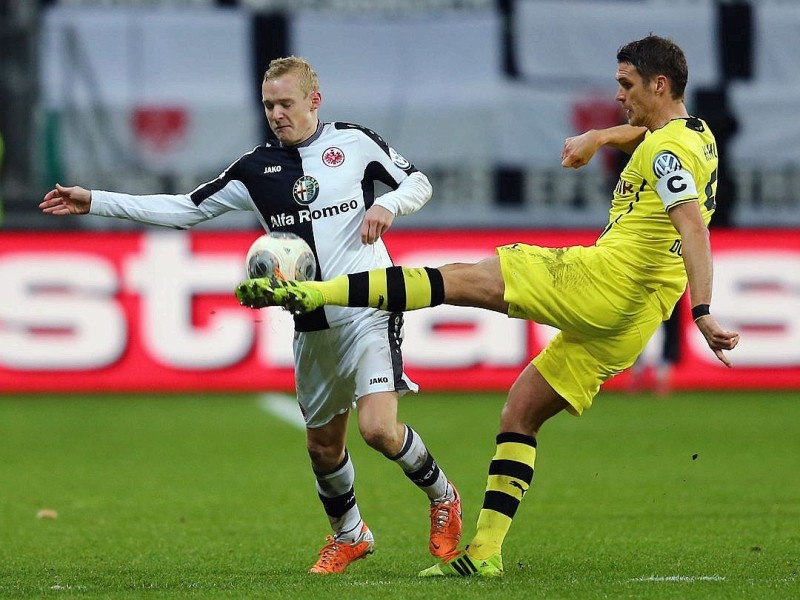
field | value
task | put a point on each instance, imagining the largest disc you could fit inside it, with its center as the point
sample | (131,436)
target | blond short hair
(306,77)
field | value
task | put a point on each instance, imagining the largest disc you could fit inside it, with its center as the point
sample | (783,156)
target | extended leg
(393,289)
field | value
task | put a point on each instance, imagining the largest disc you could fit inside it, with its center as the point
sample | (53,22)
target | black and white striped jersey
(319,190)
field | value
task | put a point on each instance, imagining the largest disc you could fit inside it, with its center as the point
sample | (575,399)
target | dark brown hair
(653,56)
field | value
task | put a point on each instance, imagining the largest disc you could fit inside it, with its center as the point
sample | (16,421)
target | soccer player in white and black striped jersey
(317,180)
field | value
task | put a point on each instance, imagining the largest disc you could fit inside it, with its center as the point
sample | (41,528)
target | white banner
(135,90)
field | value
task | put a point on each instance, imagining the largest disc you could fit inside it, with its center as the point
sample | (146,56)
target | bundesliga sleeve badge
(398,159)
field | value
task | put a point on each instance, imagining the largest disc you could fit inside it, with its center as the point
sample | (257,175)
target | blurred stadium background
(148,96)
(175,493)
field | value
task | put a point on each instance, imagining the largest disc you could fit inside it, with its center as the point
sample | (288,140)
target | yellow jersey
(672,165)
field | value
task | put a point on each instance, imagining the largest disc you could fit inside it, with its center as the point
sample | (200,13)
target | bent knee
(480,284)
(383,438)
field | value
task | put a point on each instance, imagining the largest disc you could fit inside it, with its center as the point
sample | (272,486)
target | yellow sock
(510,476)
(335,290)
(392,289)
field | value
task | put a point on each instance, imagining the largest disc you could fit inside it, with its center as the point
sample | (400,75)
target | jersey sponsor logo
(308,215)
(332,157)
(272,169)
(665,162)
(374,380)
(398,159)
(624,188)
(305,190)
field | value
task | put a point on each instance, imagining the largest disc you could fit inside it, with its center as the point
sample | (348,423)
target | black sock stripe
(337,467)
(437,286)
(511,468)
(345,460)
(500,502)
(427,474)
(410,433)
(395,289)
(339,505)
(519,438)
(358,294)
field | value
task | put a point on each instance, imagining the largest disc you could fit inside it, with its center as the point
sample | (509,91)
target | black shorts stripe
(395,289)
(437,286)
(500,502)
(359,289)
(395,334)
(511,468)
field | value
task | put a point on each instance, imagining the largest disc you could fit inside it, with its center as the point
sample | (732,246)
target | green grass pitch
(692,496)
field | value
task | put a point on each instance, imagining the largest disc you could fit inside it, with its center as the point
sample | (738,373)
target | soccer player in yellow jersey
(606,299)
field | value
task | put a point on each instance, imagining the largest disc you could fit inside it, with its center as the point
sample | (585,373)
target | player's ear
(316,99)
(661,84)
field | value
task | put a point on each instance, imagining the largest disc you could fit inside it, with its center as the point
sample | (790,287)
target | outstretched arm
(579,149)
(73,200)
(696,251)
(167,210)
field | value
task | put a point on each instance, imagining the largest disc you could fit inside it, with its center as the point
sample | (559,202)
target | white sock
(339,500)
(420,467)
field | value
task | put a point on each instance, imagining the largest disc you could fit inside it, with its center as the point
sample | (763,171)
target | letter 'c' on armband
(701,310)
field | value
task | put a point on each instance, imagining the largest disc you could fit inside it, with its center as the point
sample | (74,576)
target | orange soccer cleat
(335,556)
(445,525)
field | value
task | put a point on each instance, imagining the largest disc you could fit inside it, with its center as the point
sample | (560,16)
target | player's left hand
(376,222)
(717,338)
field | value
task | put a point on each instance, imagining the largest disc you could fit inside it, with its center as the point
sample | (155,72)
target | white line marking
(284,407)
(678,578)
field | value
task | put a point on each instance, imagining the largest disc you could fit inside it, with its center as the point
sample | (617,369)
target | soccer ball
(282,255)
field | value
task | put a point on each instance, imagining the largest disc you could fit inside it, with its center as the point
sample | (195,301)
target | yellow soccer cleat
(463,565)
(294,296)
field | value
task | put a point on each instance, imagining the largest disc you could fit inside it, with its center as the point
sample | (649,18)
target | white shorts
(335,367)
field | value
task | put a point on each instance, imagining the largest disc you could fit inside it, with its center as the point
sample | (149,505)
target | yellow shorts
(604,318)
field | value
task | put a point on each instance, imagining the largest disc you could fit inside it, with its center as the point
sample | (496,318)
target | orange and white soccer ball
(283,255)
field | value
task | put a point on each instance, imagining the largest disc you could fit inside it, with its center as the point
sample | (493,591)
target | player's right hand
(579,150)
(62,200)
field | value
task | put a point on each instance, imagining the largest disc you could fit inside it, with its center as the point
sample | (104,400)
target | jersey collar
(309,140)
